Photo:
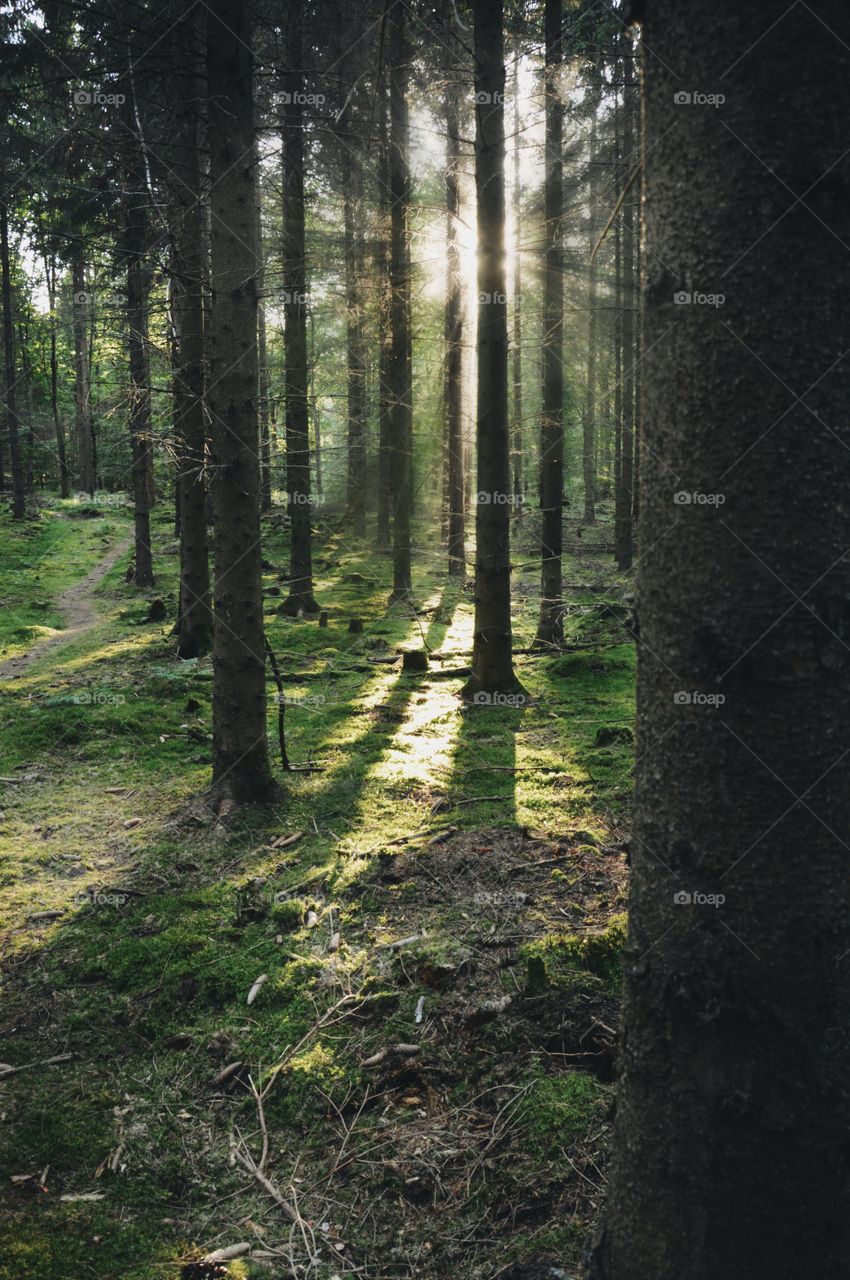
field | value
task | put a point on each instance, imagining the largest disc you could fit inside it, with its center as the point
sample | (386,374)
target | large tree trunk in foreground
(241,771)
(19,497)
(82,388)
(399,371)
(492,659)
(454,335)
(300,599)
(194,625)
(550,629)
(138,286)
(731,1145)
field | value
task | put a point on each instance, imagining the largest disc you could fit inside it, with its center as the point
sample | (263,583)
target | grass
(166,918)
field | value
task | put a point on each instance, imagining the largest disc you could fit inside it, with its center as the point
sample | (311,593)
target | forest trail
(76,604)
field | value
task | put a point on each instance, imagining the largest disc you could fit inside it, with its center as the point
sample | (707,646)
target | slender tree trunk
(453,387)
(19,497)
(300,599)
(550,629)
(138,285)
(730,1148)
(241,771)
(264,384)
(82,390)
(355,350)
(517,301)
(384,308)
(399,373)
(195,622)
(492,659)
(58,428)
(623,538)
(589,433)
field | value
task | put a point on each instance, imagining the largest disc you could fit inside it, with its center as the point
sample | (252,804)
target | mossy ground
(490,833)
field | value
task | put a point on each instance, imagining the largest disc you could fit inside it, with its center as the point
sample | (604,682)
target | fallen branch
(7,1070)
(269,1187)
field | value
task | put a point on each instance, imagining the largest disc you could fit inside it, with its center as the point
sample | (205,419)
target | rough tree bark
(731,1149)
(492,659)
(550,628)
(241,771)
(399,379)
(300,599)
(453,329)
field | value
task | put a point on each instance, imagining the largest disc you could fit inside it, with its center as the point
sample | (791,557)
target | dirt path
(76,604)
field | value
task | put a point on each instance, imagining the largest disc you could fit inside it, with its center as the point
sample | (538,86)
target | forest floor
(421,1084)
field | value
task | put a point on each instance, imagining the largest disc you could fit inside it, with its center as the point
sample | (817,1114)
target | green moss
(555,959)
(558,1111)
(288,914)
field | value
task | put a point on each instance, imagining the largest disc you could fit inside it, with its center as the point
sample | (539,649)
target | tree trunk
(241,771)
(355,347)
(384,308)
(264,383)
(58,428)
(399,378)
(138,286)
(589,433)
(195,623)
(492,659)
(623,535)
(730,1149)
(300,599)
(19,496)
(516,371)
(82,390)
(453,387)
(550,629)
